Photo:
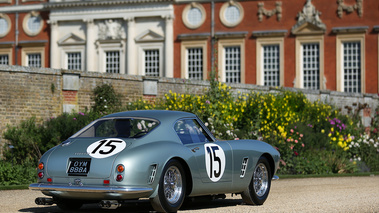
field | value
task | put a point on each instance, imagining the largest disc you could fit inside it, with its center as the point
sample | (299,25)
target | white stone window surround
(184,57)
(25,51)
(8,52)
(222,44)
(72,49)
(230,8)
(261,42)
(104,47)
(5,24)
(345,38)
(309,39)
(194,9)
(32,16)
(142,47)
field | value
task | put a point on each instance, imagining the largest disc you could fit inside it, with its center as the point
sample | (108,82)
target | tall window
(352,66)
(152,62)
(4,59)
(34,59)
(233,64)
(271,65)
(74,61)
(112,61)
(195,63)
(311,66)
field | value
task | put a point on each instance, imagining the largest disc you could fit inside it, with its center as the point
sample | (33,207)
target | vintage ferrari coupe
(165,156)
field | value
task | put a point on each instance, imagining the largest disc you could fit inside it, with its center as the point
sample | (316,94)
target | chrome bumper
(89,189)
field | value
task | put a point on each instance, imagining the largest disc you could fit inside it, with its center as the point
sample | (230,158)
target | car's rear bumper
(92,192)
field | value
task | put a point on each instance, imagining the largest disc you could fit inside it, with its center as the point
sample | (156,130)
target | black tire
(172,188)
(257,191)
(69,205)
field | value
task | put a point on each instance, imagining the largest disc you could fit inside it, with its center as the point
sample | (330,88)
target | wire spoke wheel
(173,184)
(257,191)
(260,179)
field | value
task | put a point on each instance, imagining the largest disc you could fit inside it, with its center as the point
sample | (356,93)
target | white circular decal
(106,148)
(214,161)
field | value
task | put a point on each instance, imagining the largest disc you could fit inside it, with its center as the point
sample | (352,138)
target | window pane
(195,63)
(34,24)
(34,60)
(271,67)
(3,25)
(233,64)
(112,62)
(352,66)
(4,59)
(311,66)
(232,14)
(74,61)
(152,63)
(194,16)
(190,131)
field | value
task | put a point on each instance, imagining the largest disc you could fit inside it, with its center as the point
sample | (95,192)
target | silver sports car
(165,156)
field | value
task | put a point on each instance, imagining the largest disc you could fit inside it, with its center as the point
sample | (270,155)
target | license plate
(79,166)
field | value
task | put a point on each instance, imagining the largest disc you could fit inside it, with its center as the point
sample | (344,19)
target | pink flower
(301,135)
(302,145)
(296,141)
(291,147)
(291,130)
(288,140)
(74,119)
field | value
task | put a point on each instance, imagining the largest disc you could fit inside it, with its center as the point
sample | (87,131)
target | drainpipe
(212,36)
(16,36)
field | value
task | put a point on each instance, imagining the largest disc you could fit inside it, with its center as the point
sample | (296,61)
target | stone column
(169,48)
(131,52)
(54,49)
(90,46)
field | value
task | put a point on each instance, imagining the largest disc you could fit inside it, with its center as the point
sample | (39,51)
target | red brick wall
(290,9)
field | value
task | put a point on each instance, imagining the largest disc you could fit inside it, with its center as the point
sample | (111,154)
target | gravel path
(338,194)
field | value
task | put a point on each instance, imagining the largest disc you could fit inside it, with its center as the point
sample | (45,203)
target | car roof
(160,115)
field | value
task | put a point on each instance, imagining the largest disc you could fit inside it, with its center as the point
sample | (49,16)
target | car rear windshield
(119,128)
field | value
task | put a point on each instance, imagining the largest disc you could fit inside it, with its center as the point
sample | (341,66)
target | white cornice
(22,8)
(113,12)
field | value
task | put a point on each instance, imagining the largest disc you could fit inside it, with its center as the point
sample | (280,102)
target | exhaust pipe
(44,201)
(109,204)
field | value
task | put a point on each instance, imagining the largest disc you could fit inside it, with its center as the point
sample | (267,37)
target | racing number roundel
(106,148)
(214,161)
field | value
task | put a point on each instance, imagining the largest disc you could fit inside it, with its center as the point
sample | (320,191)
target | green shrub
(106,99)
(15,174)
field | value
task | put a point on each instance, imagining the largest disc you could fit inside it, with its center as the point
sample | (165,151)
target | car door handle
(195,149)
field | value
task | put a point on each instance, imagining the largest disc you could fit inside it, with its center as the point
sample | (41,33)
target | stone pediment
(71,39)
(309,21)
(148,36)
(308,29)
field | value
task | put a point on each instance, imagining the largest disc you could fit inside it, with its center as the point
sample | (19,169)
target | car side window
(190,131)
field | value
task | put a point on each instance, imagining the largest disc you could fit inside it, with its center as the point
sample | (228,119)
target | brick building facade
(319,44)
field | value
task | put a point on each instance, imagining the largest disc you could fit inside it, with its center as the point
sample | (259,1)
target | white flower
(105,106)
(206,123)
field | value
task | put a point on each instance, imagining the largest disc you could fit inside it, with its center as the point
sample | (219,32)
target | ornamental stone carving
(310,15)
(264,12)
(111,30)
(343,7)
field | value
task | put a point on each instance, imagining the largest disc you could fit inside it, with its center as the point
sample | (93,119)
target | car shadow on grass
(141,206)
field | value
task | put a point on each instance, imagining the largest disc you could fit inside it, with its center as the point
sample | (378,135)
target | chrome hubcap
(172,184)
(260,179)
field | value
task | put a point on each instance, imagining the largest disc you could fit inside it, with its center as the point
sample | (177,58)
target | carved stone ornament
(342,6)
(111,30)
(309,14)
(264,12)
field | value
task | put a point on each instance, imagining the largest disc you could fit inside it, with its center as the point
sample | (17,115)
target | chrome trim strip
(110,189)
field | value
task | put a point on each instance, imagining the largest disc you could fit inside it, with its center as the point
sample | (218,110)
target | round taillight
(40,175)
(119,178)
(40,166)
(49,180)
(120,168)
